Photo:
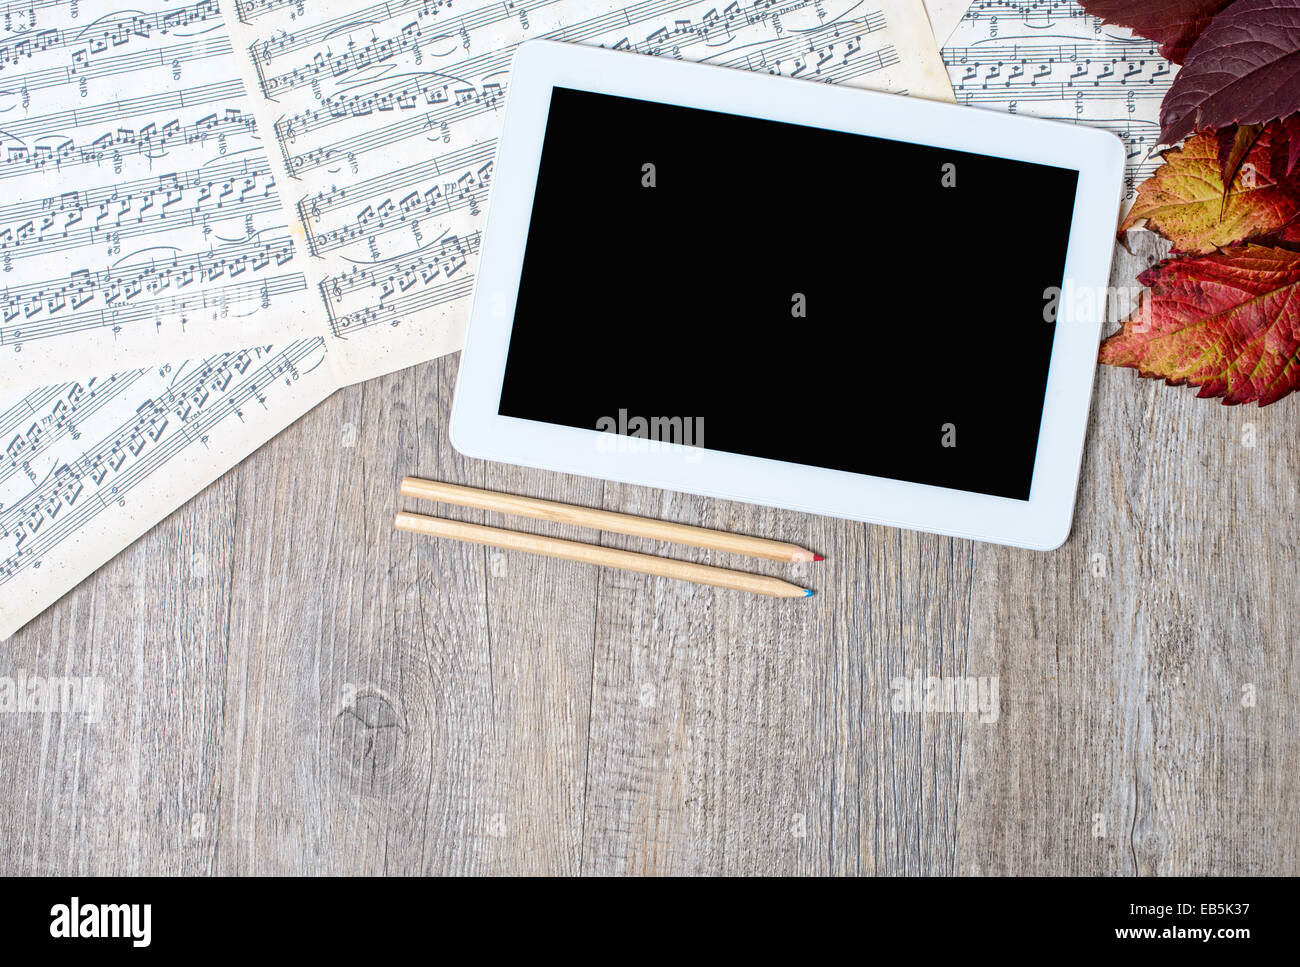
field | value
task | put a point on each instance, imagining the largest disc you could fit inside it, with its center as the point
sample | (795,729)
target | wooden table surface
(293,687)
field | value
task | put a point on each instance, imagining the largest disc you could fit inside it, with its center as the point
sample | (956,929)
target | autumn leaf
(1185,199)
(1234,143)
(1228,322)
(1243,69)
(1173,24)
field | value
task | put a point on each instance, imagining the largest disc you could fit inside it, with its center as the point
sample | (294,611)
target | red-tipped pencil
(606,520)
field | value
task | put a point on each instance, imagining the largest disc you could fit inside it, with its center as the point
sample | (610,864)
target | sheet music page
(138,221)
(1049,59)
(87,466)
(385,118)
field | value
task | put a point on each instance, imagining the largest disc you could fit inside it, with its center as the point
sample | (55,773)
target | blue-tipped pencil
(718,577)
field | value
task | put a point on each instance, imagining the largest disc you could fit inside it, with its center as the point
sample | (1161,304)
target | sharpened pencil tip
(818,557)
(807,592)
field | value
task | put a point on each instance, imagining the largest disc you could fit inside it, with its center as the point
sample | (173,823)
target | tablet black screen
(789,292)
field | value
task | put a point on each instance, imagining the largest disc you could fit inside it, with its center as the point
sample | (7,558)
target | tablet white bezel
(1042,522)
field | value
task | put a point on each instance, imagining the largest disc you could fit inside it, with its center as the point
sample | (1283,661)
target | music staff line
(124,280)
(445,255)
(248,10)
(472,164)
(71,403)
(57,122)
(381,14)
(43,520)
(243,297)
(109,32)
(395,312)
(986,93)
(1067,51)
(21,244)
(29,240)
(150,140)
(85,70)
(188,394)
(1049,10)
(498,59)
(170,185)
(464,100)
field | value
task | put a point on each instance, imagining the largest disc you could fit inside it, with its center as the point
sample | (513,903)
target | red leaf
(1227,322)
(1173,24)
(1292,127)
(1243,69)
(1288,236)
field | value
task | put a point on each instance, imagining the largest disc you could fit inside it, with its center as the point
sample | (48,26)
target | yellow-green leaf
(1185,199)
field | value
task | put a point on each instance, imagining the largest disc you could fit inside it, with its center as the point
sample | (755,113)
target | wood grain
(293,687)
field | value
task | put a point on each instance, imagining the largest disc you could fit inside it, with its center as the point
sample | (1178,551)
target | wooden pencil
(718,577)
(606,520)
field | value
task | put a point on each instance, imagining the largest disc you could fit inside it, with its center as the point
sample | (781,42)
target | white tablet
(782,292)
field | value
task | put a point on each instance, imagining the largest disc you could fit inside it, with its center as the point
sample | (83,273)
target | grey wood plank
(443,611)
(359,664)
(541,614)
(644,808)
(919,630)
(732,734)
(133,789)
